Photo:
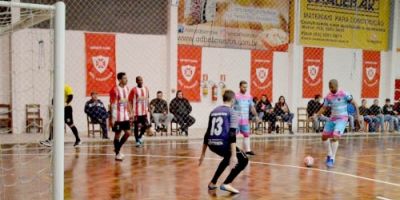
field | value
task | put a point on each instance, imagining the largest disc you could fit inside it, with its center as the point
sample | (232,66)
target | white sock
(246,144)
(327,145)
(335,146)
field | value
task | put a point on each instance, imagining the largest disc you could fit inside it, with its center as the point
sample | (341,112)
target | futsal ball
(150,131)
(308,161)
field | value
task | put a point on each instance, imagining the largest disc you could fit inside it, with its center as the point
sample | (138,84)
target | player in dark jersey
(221,139)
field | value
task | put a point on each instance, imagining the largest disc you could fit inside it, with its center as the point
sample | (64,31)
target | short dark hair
(228,96)
(159,92)
(387,100)
(242,83)
(317,96)
(363,100)
(120,75)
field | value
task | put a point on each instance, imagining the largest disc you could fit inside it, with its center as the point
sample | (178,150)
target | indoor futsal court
(367,168)
(199,99)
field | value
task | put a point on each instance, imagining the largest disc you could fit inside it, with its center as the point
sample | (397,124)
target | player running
(337,100)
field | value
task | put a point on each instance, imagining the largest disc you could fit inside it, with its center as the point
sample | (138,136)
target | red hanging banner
(261,73)
(100,63)
(371,74)
(313,65)
(189,71)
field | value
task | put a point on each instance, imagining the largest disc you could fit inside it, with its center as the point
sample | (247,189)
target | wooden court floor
(366,168)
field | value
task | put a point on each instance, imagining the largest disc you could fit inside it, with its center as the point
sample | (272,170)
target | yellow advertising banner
(244,24)
(360,24)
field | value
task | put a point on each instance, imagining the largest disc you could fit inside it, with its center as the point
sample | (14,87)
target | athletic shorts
(334,128)
(68,117)
(142,122)
(121,126)
(244,129)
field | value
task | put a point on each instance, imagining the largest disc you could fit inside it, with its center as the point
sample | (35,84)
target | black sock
(116,146)
(123,140)
(50,135)
(75,132)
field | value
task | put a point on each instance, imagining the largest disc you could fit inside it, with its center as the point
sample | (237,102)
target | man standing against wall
(243,105)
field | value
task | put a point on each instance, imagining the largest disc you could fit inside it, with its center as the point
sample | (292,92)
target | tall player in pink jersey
(244,105)
(139,101)
(120,113)
(338,101)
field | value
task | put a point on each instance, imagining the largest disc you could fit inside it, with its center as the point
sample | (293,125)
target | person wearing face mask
(313,107)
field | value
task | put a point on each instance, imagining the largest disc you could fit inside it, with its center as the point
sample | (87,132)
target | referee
(68,118)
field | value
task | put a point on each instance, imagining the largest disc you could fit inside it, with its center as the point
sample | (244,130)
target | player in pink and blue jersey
(244,104)
(338,101)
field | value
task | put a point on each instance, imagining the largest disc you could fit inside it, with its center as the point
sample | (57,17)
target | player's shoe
(119,157)
(228,188)
(212,187)
(77,143)
(329,162)
(46,143)
(138,144)
(250,153)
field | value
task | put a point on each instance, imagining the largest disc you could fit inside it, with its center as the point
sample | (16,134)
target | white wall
(345,65)
(5,80)
(235,64)
(143,55)
(31,69)
(147,55)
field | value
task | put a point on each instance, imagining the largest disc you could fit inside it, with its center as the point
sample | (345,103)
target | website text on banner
(245,24)
(356,24)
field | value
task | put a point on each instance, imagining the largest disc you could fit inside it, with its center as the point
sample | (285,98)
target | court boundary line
(382,198)
(252,162)
(174,142)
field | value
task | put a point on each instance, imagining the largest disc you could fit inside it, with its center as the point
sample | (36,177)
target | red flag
(313,64)
(261,73)
(371,74)
(189,71)
(100,63)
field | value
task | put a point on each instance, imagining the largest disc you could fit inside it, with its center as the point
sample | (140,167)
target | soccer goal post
(15,18)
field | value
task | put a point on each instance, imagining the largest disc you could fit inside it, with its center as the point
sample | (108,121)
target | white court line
(171,142)
(252,162)
(382,198)
(255,162)
(149,144)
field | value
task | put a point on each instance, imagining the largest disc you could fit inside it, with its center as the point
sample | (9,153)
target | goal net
(27,83)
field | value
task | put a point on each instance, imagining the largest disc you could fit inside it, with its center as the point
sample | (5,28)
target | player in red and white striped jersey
(139,100)
(120,113)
